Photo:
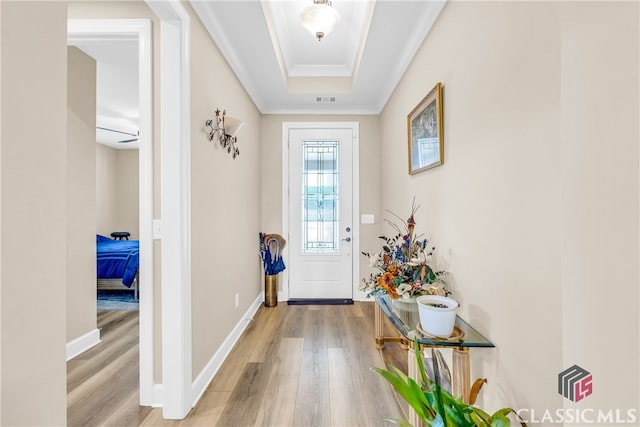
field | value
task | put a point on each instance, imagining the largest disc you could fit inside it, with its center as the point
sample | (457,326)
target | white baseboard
(83,343)
(206,375)
(158,396)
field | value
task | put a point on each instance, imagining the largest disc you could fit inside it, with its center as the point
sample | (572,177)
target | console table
(405,319)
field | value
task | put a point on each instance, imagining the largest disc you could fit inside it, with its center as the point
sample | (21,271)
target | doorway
(139,32)
(321,210)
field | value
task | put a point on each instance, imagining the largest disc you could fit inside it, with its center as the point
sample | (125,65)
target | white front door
(321,213)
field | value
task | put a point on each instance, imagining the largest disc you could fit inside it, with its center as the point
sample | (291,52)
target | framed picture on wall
(424,127)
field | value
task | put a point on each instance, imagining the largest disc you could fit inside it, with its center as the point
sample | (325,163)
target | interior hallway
(293,366)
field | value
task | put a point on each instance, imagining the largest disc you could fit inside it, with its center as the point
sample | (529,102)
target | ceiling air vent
(325,99)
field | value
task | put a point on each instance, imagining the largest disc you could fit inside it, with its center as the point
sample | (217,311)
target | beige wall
(117,187)
(106,189)
(1,276)
(225,201)
(34,231)
(128,192)
(599,152)
(535,211)
(81,193)
(370,176)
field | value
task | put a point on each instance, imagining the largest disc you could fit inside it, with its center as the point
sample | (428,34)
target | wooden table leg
(461,373)
(413,372)
(379,320)
(405,343)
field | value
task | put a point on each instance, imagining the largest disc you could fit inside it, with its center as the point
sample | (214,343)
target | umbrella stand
(270,290)
(270,246)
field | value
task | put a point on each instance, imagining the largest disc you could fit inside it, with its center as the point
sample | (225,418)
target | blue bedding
(117,259)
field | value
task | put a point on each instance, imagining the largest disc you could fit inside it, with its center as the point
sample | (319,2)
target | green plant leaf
(437,391)
(482,415)
(504,412)
(477,420)
(455,418)
(438,408)
(457,412)
(398,421)
(420,362)
(402,384)
(499,420)
(431,276)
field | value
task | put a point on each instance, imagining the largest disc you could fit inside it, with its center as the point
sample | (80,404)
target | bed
(118,262)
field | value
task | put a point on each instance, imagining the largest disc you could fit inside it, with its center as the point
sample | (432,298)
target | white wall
(34,232)
(535,210)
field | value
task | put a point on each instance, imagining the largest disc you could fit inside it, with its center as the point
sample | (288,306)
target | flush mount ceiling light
(320,18)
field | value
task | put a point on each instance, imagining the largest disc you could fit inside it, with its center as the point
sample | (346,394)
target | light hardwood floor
(102,383)
(293,366)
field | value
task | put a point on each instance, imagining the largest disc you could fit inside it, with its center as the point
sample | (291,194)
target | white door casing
(175,63)
(321,251)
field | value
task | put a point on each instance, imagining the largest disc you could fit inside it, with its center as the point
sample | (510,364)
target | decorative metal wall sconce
(224,129)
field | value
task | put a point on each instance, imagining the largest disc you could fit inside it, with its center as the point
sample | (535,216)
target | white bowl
(437,320)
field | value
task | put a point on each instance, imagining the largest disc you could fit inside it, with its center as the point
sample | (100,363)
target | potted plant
(437,315)
(437,407)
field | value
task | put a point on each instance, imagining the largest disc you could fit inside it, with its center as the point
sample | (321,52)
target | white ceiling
(286,70)
(117,106)
(283,67)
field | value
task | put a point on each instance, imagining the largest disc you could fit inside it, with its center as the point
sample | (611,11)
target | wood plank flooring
(102,383)
(293,366)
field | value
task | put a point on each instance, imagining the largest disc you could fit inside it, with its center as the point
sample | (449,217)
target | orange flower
(385,258)
(392,269)
(385,283)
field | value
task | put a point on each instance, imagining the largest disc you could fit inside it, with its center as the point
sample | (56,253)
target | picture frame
(425,132)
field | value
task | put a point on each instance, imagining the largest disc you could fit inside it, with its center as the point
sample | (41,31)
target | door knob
(348,239)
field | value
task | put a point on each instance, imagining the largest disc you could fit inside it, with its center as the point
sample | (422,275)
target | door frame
(139,30)
(283,294)
(175,163)
(175,394)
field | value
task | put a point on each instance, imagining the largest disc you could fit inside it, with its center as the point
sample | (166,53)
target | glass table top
(404,317)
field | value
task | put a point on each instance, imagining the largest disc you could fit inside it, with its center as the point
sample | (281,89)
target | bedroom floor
(102,383)
(294,365)
(116,300)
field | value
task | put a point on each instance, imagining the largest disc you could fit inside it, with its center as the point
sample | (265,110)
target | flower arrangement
(403,264)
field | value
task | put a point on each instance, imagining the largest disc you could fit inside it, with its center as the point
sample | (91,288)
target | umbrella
(270,247)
